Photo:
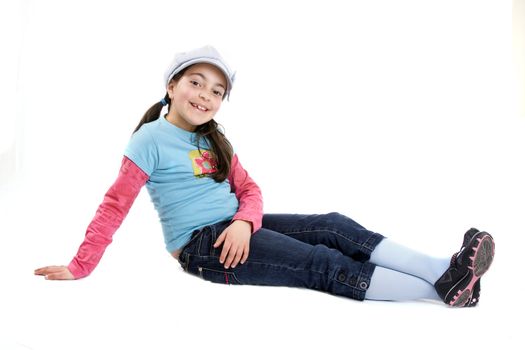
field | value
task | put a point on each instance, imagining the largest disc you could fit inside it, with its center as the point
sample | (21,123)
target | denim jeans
(324,252)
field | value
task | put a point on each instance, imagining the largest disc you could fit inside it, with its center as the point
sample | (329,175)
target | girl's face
(196,96)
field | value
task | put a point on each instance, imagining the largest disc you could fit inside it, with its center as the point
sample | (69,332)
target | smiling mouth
(199,107)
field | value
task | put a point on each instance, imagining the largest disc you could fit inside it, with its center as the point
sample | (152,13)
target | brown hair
(214,137)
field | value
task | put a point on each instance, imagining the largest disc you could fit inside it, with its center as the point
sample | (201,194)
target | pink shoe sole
(480,262)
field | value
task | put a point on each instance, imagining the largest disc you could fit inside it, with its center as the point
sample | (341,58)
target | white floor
(138,297)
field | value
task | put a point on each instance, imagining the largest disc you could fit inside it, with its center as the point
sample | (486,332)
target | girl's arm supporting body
(108,218)
(110,215)
(119,199)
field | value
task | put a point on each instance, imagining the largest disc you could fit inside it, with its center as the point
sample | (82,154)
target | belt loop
(214,233)
(213,238)
(200,242)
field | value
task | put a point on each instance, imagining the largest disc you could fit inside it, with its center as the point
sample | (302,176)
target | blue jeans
(327,252)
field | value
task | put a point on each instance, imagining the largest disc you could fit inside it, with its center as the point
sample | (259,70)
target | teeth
(199,107)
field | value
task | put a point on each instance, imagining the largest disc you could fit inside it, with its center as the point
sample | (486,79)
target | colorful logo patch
(203,162)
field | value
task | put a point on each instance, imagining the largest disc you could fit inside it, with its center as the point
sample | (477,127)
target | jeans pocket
(218,276)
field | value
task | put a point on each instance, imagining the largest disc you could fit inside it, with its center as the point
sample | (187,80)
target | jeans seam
(373,238)
(282,266)
(266,264)
(333,279)
(355,288)
(336,232)
(213,235)
(199,243)
(231,273)
(365,275)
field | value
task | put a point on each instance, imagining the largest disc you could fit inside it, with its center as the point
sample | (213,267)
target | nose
(204,96)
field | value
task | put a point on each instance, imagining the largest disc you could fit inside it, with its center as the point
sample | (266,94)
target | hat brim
(225,71)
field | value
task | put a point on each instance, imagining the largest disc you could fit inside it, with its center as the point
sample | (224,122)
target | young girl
(212,218)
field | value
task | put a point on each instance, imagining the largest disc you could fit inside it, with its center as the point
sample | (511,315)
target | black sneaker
(459,285)
(476,290)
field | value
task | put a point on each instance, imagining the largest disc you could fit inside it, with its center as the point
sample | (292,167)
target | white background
(400,114)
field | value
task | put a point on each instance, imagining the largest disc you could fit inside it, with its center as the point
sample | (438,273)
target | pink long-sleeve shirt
(121,195)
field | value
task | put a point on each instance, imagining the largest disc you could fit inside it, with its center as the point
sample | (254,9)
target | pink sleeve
(109,216)
(248,194)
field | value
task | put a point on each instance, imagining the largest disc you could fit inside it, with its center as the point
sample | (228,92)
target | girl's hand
(55,273)
(236,238)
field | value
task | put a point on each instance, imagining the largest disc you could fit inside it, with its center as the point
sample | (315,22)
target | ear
(171,87)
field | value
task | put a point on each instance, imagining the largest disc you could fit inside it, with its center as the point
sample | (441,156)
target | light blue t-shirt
(183,193)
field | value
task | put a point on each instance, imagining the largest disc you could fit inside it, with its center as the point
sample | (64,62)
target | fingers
(48,269)
(238,257)
(224,252)
(231,256)
(55,273)
(220,239)
(234,256)
(235,248)
(61,275)
(246,253)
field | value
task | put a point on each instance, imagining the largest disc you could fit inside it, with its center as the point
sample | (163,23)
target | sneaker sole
(476,292)
(480,262)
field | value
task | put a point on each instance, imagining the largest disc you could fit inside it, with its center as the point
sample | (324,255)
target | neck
(177,121)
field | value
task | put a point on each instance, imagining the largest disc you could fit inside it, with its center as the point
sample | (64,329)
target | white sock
(396,257)
(393,285)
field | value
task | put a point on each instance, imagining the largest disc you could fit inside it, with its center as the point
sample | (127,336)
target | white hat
(205,54)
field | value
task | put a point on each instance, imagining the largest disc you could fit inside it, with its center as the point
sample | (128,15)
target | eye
(218,93)
(195,83)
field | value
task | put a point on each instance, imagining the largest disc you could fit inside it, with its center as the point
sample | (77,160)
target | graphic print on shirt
(203,163)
